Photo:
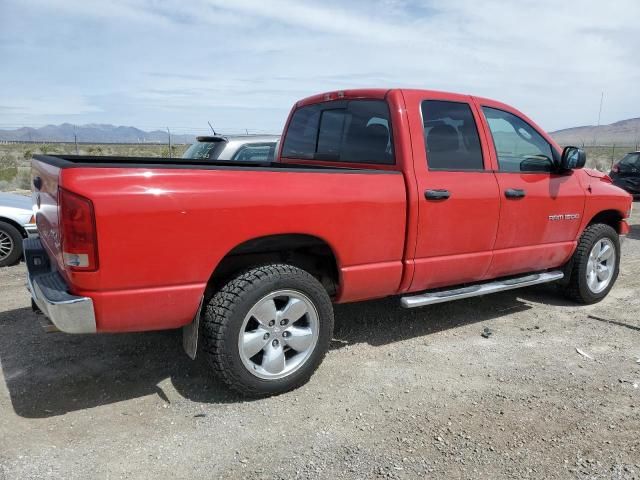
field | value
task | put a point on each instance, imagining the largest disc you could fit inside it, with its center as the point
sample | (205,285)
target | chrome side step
(431,298)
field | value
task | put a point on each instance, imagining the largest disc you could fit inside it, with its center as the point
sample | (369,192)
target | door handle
(436,194)
(514,193)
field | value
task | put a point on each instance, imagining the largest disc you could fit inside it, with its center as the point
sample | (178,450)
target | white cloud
(252,59)
(25,107)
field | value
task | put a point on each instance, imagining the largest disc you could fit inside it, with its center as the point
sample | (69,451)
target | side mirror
(572,158)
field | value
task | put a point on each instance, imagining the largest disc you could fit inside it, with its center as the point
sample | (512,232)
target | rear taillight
(78,228)
(615,168)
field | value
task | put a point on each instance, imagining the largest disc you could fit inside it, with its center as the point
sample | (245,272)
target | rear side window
(205,150)
(520,148)
(263,152)
(451,136)
(356,131)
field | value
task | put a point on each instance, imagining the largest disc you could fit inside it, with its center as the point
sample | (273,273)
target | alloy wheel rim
(279,334)
(601,265)
(6,245)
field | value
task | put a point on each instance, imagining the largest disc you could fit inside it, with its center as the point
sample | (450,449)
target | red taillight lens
(615,168)
(78,228)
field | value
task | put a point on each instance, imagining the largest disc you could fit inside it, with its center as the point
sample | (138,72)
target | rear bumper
(69,313)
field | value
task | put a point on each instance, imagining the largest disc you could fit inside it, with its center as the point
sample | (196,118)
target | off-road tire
(224,315)
(576,287)
(15,236)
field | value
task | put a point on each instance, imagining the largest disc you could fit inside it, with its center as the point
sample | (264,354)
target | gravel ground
(401,394)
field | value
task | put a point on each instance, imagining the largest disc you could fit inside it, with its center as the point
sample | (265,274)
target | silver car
(16,223)
(242,148)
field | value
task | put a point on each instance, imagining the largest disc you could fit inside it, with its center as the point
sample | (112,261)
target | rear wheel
(595,264)
(10,244)
(266,331)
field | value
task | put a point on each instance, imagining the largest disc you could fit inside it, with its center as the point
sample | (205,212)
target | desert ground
(401,394)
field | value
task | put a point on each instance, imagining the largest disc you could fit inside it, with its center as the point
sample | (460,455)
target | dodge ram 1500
(424,195)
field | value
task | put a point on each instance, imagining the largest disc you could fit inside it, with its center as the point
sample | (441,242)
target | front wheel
(595,264)
(266,331)
(10,244)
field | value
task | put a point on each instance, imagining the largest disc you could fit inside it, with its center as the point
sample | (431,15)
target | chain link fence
(602,157)
(15,157)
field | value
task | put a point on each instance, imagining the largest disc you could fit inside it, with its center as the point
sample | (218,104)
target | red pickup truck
(424,195)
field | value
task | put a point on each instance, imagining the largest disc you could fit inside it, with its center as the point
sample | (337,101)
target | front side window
(450,136)
(356,131)
(520,148)
(255,153)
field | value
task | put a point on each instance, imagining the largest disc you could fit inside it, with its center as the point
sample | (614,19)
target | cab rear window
(355,131)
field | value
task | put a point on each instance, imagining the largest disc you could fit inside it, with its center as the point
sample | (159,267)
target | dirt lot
(402,394)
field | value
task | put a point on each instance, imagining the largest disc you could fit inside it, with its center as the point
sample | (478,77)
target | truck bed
(106,161)
(164,225)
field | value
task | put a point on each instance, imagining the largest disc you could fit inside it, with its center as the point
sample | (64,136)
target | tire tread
(575,286)
(17,238)
(216,323)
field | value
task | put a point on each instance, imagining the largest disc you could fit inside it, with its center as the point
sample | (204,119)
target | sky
(241,64)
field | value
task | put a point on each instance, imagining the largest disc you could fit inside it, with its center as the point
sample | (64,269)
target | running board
(431,298)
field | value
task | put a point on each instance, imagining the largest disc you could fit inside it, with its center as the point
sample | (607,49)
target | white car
(17,222)
(240,148)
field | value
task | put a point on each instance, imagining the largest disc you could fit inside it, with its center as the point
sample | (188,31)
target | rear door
(541,209)
(458,203)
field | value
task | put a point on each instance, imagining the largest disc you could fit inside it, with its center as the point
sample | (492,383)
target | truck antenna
(214,132)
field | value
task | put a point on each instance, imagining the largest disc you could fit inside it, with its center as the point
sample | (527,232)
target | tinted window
(256,153)
(520,148)
(330,134)
(357,131)
(451,137)
(302,134)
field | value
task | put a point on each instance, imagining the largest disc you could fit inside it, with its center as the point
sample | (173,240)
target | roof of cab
(377,93)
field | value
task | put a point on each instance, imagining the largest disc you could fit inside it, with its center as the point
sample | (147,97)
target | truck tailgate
(45,180)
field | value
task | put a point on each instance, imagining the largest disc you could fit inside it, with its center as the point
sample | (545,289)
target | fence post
(169,132)
(613,154)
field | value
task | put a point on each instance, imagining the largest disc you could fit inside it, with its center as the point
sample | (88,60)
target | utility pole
(75,137)
(600,111)
(599,115)
(169,132)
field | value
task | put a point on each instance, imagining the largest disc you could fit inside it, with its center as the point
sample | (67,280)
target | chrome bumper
(69,313)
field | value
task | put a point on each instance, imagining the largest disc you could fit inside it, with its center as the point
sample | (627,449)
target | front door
(541,209)
(458,203)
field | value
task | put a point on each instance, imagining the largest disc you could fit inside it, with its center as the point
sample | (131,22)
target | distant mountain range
(624,132)
(93,133)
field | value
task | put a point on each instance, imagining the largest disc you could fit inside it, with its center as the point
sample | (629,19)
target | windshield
(205,150)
